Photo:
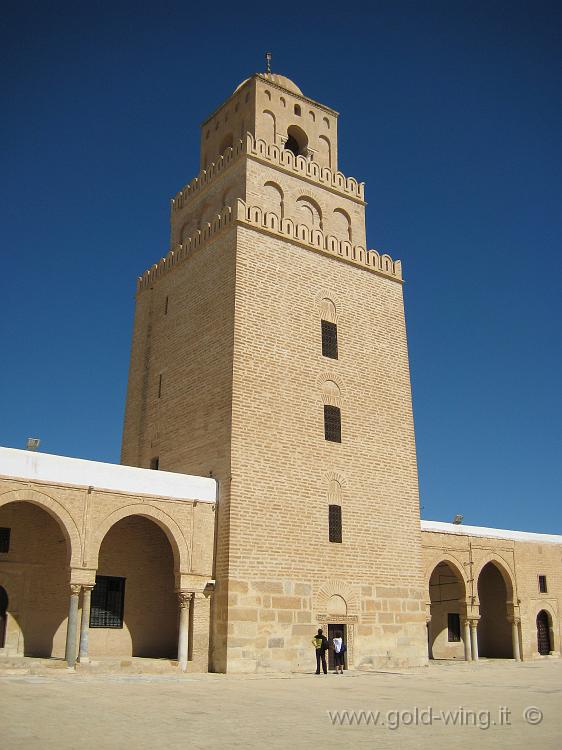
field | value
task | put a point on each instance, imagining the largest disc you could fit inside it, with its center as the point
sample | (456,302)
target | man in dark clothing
(320,643)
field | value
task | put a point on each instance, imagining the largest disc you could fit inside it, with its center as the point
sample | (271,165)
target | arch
(297,110)
(180,547)
(328,310)
(334,492)
(270,126)
(55,509)
(267,94)
(336,605)
(326,122)
(495,596)
(297,140)
(331,393)
(447,591)
(312,116)
(282,100)
(342,224)
(337,588)
(325,151)
(504,569)
(311,211)
(273,198)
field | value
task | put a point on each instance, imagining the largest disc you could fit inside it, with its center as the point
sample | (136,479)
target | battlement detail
(271,154)
(270,223)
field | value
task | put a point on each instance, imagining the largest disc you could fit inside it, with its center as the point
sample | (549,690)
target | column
(70,650)
(466,639)
(474,639)
(184,599)
(83,657)
(199,635)
(515,621)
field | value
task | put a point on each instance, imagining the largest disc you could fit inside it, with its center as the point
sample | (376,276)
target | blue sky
(450,111)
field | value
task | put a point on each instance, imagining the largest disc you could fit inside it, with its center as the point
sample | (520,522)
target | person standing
(320,643)
(339,651)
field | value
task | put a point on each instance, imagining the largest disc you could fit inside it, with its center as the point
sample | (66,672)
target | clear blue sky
(450,111)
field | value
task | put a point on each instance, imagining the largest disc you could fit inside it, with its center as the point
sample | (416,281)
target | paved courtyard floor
(493,704)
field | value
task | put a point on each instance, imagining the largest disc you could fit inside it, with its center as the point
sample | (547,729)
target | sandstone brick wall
(63,534)
(520,564)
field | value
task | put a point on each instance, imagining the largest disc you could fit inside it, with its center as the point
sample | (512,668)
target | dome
(283,81)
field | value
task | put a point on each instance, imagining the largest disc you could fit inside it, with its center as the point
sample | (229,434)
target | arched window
(342,224)
(297,110)
(311,211)
(273,198)
(270,132)
(297,140)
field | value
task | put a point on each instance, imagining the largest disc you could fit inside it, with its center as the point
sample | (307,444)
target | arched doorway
(544,644)
(494,629)
(448,608)
(134,609)
(3,615)
(39,593)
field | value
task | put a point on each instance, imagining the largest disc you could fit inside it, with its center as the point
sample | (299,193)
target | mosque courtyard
(491,704)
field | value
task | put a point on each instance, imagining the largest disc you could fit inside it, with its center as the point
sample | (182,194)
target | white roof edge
(481,531)
(46,467)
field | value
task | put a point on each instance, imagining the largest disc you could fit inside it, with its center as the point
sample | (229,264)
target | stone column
(515,622)
(474,639)
(83,657)
(70,650)
(184,599)
(199,635)
(466,640)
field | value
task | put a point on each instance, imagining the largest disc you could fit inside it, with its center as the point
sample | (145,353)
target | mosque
(268,477)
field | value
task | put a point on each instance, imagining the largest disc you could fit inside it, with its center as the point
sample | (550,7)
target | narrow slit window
(329,339)
(159,386)
(108,602)
(542,585)
(453,627)
(166,306)
(334,523)
(155,463)
(332,424)
(4,539)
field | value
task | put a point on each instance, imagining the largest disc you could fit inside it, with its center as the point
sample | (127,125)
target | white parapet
(441,527)
(44,467)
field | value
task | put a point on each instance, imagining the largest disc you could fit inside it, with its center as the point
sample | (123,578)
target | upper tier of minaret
(273,108)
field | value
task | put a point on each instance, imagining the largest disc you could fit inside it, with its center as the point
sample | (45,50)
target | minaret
(270,351)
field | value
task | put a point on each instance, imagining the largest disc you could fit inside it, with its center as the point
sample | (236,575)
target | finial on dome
(268,62)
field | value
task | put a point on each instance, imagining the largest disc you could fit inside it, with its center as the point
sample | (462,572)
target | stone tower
(269,350)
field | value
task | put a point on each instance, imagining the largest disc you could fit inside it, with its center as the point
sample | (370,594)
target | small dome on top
(280,80)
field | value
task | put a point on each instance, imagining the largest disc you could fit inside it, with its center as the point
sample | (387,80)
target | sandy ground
(493,704)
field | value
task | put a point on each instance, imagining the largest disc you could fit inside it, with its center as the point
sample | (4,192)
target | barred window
(332,424)
(108,600)
(542,585)
(453,627)
(4,540)
(334,523)
(329,339)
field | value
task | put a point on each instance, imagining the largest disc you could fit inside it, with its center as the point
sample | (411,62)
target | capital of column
(184,598)
(75,589)
(514,619)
